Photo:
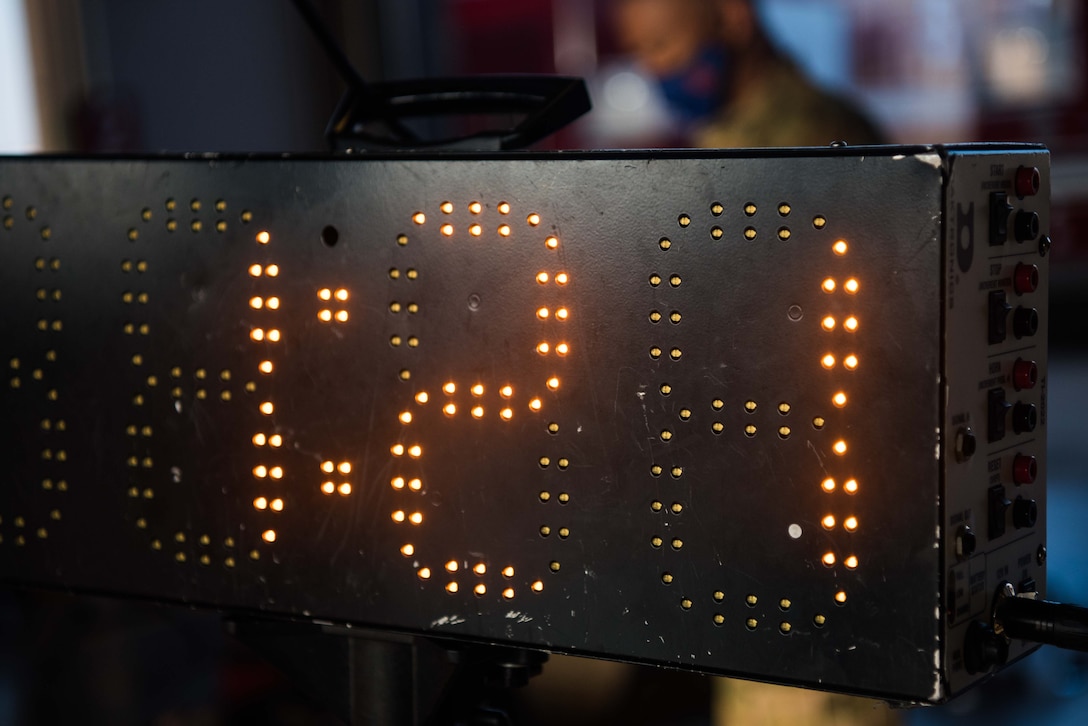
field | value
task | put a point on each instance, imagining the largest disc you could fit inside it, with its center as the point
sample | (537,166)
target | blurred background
(245,75)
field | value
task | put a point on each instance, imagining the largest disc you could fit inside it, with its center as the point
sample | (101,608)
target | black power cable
(1041,621)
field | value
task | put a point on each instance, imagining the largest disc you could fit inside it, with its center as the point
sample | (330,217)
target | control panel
(996,383)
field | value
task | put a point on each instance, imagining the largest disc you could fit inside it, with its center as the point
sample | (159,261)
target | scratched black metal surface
(126,470)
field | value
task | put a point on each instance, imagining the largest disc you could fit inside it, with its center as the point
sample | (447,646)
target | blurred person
(726,82)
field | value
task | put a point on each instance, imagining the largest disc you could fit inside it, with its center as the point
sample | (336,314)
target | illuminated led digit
(470,402)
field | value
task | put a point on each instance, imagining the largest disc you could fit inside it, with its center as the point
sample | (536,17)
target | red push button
(1024,374)
(1024,469)
(1025,278)
(1027,181)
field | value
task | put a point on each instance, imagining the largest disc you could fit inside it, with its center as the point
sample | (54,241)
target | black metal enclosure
(680,408)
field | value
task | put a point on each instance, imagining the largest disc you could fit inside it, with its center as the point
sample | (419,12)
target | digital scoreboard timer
(771,414)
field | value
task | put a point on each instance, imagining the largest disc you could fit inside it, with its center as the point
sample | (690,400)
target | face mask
(696,91)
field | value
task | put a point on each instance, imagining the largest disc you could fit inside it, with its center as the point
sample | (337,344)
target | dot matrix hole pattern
(23,374)
(478,400)
(271,304)
(839,399)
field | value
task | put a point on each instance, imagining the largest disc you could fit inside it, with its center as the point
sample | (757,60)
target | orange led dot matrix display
(717,410)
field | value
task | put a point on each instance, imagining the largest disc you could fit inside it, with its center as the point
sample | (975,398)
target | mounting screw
(1044,245)
(1040,555)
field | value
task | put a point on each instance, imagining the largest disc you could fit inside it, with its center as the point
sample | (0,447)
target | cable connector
(1024,617)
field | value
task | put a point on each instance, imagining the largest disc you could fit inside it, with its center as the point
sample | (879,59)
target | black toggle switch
(997,408)
(999,315)
(1000,209)
(998,505)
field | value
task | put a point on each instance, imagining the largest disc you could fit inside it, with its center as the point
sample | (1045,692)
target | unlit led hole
(677,543)
(784,233)
(655,280)
(717,427)
(675,281)
(751,600)
(685,414)
(750,209)
(656,542)
(666,389)
(750,430)
(554,566)
(665,244)
(819,222)
(684,220)
(750,406)
(656,470)
(656,506)
(750,233)
(676,472)
(717,209)
(655,352)
(717,233)
(784,432)
(667,578)
(819,422)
